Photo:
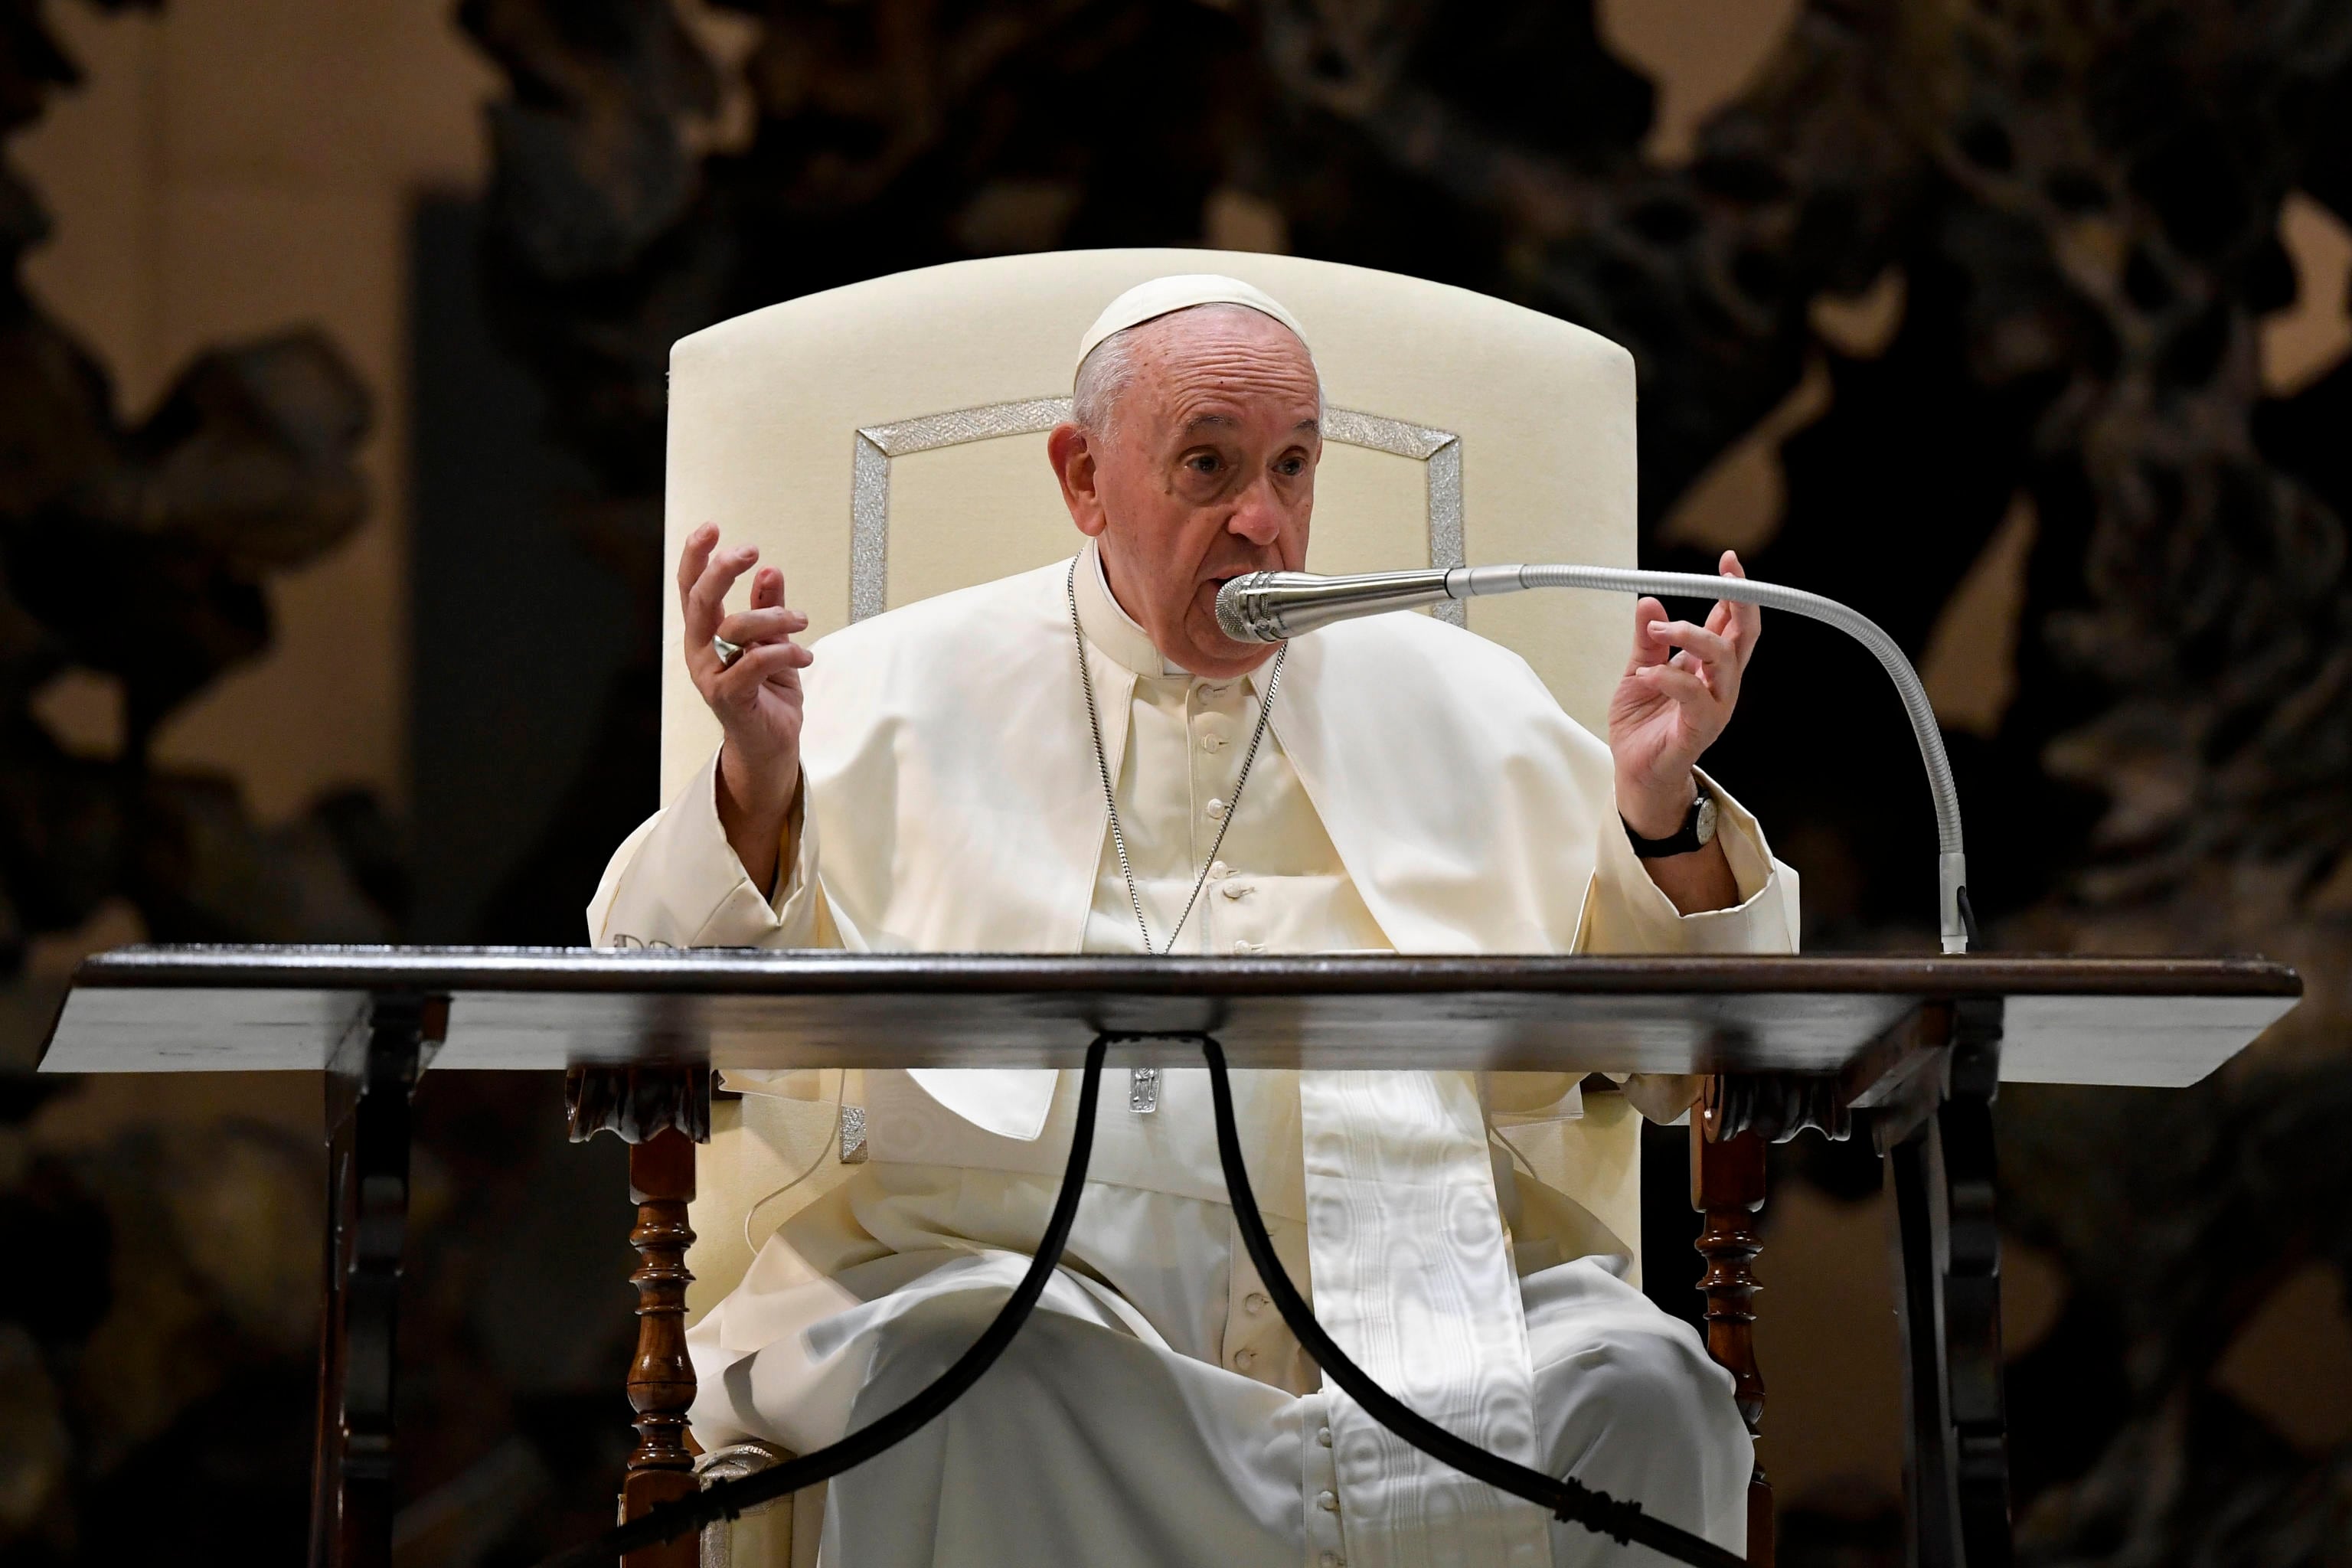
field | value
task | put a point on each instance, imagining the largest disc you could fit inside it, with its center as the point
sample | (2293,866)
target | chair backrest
(884,442)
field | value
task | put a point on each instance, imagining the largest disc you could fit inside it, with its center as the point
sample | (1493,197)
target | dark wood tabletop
(2155,1021)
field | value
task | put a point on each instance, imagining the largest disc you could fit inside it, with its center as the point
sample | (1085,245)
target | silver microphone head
(1269,606)
(1241,610)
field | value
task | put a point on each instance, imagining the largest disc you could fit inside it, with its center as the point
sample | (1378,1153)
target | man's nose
(1257,516)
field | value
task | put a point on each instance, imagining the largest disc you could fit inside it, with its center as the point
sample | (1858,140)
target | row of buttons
(1328,1501)
(1234,891)
(1254,1304)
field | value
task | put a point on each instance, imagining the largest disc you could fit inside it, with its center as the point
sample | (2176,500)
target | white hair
(1104,374)
(1109,370)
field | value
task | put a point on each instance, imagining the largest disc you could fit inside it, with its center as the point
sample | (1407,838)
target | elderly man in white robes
(1077,759)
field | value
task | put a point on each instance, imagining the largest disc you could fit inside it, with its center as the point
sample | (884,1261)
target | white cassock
(1418,791)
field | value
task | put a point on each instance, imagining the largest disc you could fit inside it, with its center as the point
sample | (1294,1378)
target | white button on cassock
(1216,809)
(1254,1303)
(1323,1436)
(1244,1358)
(1328,1502)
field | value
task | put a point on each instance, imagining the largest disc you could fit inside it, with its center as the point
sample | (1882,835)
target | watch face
(1705,823)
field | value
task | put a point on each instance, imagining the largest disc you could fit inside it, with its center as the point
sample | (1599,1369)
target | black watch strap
(1684,841)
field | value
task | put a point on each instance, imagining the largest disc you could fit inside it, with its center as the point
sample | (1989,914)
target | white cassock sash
(1414,1279)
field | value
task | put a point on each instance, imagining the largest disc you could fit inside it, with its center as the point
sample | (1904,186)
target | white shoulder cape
(953,803)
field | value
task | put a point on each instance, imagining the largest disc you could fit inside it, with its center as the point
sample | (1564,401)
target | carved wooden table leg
(368,1089)
(662,1113)
(1728,1189)
(661,1379)
(1940,1176)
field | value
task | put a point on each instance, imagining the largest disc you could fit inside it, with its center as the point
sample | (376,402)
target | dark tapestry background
(2077,205)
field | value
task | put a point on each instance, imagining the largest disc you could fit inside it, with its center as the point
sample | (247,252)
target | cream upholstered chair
(884,442)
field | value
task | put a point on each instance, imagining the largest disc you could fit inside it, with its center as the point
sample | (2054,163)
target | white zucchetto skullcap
(1148,302)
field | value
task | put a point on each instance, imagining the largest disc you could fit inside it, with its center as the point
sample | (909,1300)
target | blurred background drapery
(331,408)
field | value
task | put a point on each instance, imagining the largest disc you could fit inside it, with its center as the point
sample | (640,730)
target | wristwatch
(1698,832)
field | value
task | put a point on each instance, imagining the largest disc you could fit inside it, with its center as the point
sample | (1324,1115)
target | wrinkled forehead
(1217,365)
(1219,333)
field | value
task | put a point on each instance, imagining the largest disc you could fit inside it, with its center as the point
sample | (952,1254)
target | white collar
(1108,624)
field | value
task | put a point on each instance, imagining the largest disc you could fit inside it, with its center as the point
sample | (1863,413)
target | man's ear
(1071,451)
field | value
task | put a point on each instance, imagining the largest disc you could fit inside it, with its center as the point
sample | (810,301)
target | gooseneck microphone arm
(1270,606)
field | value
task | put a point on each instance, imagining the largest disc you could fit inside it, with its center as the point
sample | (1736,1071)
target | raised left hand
(1680,686)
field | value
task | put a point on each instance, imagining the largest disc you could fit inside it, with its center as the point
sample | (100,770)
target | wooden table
(1921,1043)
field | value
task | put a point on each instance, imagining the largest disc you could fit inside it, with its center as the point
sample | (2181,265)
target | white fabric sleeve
(1626,912)
(676,882)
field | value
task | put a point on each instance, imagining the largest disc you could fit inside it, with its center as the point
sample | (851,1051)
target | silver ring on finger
(728,652)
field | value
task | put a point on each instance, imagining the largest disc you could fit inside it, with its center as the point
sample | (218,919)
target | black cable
(726,1499)
(1563,1496)
(1968,919)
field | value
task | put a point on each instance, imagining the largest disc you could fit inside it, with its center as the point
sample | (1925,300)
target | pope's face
(1208,473)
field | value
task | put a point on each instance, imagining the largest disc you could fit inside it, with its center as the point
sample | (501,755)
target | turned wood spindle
(1728,1189)
(661,1378)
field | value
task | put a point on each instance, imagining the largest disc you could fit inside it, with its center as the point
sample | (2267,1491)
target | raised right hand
(757,700)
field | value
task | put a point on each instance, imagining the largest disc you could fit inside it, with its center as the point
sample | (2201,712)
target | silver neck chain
(1102,766)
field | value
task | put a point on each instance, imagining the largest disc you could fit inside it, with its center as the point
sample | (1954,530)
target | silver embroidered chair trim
(853,1135)
(869,504)
(732,1463)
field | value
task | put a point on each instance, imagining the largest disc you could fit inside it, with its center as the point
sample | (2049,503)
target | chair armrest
(762,1536)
